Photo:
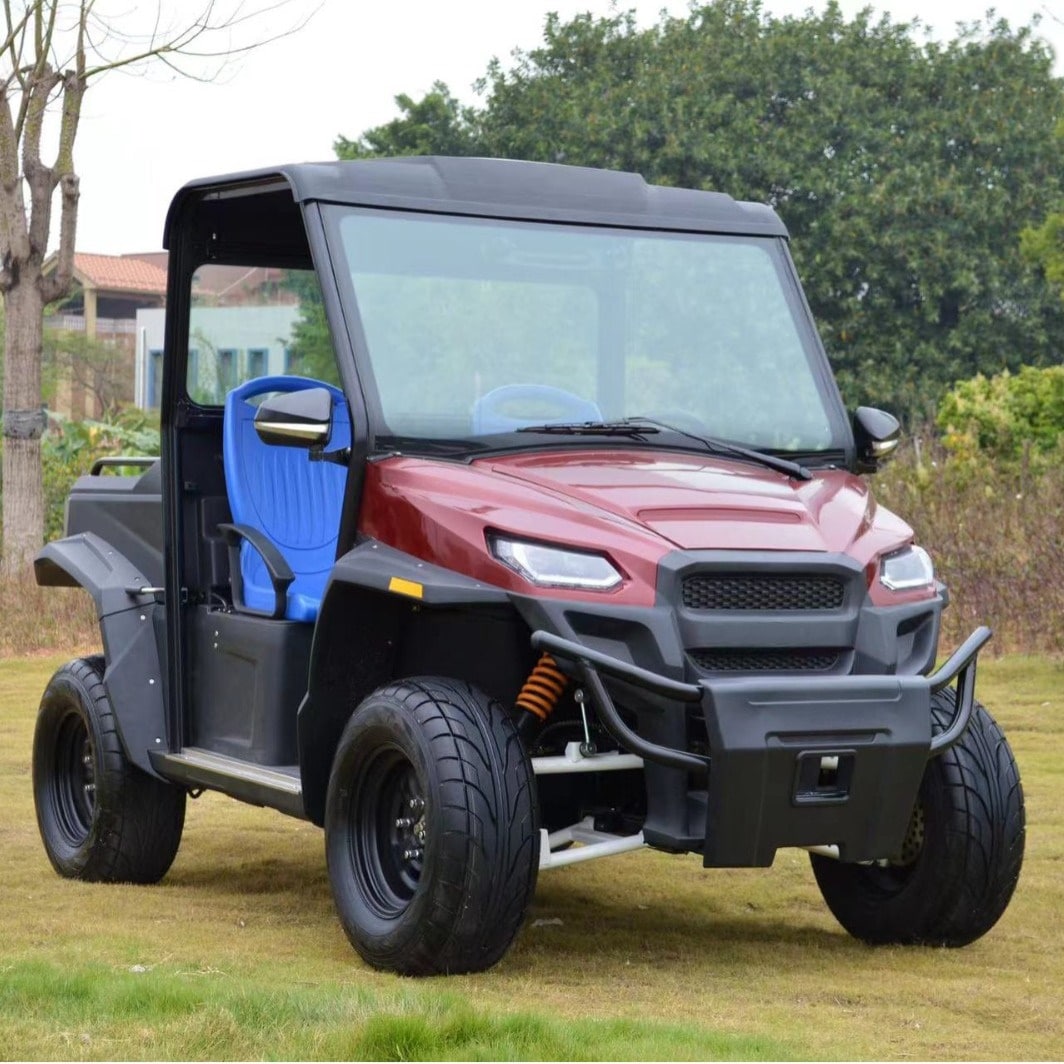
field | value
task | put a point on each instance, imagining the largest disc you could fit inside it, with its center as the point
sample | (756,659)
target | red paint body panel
(633,506)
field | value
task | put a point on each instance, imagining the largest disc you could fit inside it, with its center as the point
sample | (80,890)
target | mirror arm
(342,457)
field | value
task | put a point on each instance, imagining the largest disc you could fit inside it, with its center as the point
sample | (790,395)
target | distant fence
(104,326)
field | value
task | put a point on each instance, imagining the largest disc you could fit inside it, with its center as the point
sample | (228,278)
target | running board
(275,786)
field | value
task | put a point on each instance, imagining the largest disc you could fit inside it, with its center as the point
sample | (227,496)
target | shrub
(69,448)
(1009,418)
(993,528)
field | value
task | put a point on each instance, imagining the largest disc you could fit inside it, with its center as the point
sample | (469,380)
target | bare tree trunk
(23,424)
(49,51)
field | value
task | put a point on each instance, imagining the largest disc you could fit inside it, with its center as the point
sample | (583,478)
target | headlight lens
(908,569)
(555,566)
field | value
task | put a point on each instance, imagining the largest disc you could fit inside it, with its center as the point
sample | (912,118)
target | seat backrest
(494,412)
(279,491)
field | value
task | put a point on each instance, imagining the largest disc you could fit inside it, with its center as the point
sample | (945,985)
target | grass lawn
(238,953)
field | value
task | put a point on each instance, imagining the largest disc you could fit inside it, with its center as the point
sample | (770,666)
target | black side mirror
(296,419)
(876,434)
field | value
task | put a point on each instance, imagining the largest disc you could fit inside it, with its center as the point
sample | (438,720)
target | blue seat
(278,491)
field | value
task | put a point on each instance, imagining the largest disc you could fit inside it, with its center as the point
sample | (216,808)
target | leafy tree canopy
(310,349)
(905,170)
(437,124)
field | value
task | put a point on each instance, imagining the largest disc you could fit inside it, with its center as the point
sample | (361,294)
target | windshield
(479,327)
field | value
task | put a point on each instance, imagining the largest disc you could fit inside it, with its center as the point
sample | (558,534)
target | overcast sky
(142,137)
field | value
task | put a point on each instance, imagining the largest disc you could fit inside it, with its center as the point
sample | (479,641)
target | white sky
(142,137)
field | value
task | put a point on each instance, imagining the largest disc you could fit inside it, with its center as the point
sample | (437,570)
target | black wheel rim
(387,832)
(890,877)
(73,789)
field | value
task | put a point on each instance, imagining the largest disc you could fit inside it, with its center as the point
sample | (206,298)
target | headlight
(555,566)
(908,569)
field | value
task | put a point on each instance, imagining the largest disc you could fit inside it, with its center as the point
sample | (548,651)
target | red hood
(707,503)
(634,506)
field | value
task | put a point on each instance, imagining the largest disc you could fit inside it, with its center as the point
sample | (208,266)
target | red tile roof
(120,273)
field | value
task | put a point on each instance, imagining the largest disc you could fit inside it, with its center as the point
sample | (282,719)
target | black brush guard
(793,762)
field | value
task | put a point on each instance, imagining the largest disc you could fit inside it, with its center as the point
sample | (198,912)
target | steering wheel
(500,410)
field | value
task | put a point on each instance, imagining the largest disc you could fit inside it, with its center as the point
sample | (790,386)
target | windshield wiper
(723,447)
(636,428)
(596,428)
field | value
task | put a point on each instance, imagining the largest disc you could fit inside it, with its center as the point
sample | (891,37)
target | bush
(69,448)
(1009,418)
(993,528)
(43,618)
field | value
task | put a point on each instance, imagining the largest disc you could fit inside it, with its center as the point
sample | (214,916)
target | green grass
(654,958)
(104,1014)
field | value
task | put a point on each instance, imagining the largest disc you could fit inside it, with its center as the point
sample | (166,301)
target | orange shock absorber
(541,691)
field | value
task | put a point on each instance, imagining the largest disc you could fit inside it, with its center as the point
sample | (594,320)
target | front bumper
(831,760)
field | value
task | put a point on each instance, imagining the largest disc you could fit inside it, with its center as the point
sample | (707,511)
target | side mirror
(876,434)
(296,419)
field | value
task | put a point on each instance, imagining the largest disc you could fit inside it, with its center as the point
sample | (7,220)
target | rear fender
(131,627)
(388,615)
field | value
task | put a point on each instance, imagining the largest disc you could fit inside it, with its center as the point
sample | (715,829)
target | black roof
(502,188)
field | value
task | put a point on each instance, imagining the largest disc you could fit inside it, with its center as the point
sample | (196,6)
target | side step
(274,786)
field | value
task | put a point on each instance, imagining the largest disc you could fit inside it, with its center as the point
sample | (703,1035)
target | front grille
(762,591)
(786,659)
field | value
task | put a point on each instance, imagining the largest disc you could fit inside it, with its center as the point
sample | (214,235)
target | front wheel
(961,857)
(431,835)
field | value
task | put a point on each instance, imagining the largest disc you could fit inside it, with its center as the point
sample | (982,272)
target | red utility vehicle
(507,516)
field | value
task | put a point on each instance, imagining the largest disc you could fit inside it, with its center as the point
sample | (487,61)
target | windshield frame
(383,440)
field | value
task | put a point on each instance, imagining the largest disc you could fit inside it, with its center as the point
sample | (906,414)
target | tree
(51,51)
(904,170)
(435,125)
(311,348)
(95,367)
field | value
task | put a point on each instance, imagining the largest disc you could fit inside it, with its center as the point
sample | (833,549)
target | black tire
(962,856)
(101,818)
(431,832)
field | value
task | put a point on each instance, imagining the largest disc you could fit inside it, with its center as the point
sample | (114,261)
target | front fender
(376,625)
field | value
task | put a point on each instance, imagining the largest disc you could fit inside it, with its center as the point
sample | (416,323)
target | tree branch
(14,238)
(40,178)
(181,43)
(57,284)
(12,43)
(32,77)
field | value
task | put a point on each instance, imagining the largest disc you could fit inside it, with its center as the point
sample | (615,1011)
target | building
(227,344)
(108,335)
(94,330)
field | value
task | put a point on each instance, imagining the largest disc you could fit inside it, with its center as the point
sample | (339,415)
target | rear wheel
(100,817)
(962,854)
(430,829)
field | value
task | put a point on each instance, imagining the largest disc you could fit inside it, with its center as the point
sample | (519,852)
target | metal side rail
(274,786)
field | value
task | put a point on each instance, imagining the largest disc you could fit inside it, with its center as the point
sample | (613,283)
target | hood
(697,502)
(635,507)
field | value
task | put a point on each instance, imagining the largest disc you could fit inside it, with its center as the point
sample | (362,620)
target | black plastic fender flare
(370,588)
(128,613)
